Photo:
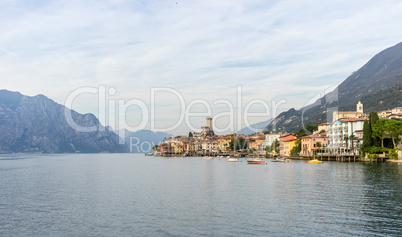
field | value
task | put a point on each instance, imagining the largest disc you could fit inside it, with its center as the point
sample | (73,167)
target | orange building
(309,143)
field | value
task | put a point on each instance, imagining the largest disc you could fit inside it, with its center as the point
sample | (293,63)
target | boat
(208,157)
(233,159)
(315,161)
(256,161)
(279,160)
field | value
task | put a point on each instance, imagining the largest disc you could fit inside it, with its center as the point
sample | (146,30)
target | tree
(352,138)
(275,146)
(346,139)
(379,130)
(155,147)
(367,139)
(318,144)
(373,120)
(296,149)
(238,144)
(394,129)
(190,134)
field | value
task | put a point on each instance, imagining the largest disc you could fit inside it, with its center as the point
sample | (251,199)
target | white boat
(208,157)
(233,159)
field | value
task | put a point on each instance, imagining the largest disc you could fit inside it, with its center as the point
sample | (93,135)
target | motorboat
(279,160)
(315,161)
(256,161)
(233,159)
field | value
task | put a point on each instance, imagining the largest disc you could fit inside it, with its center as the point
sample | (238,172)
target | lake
(134,195)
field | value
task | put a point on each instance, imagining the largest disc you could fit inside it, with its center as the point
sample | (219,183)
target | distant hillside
(254,128)
(38,124)
(392,97)
(382,72)
(142,141)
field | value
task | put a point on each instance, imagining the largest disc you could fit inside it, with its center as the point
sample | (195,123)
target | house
(282,140)
(311,143)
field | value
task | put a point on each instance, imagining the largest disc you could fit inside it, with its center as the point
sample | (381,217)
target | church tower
(359,107)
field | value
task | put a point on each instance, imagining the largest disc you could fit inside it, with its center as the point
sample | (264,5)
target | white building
(345,128)
(269,139)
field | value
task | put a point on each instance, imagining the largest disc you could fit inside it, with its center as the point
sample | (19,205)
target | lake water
(134,195)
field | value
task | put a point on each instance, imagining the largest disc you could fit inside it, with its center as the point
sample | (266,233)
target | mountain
(142,141)
(38,124)
(380,73)
(254,128)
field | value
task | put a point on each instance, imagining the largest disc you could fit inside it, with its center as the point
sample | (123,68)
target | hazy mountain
(254,128)
(142,141)
(38,124)
(380,73)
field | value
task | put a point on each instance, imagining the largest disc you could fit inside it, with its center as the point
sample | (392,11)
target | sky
(195,56)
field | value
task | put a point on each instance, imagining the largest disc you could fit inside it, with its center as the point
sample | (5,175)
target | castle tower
(359,107)
(209,122)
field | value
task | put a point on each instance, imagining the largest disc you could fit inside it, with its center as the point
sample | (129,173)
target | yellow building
(223,143)
(288,146)
(256,144)
(177,147)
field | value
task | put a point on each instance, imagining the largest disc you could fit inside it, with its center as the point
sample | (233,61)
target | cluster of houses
(328,138)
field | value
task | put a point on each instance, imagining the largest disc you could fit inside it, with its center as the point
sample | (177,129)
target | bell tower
(359,107)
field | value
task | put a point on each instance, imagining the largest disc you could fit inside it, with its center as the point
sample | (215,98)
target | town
(350,134)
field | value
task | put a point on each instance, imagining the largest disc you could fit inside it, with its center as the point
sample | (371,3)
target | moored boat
(315,161)
(256,161)
(233,159)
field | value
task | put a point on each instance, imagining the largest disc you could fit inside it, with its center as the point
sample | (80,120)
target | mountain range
(38,124)
(255,128)
(372,84)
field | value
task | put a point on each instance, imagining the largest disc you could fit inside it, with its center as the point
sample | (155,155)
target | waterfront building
(309,143)
(270,138)
(289,145)
(282,140)
(223,142)
(345,128)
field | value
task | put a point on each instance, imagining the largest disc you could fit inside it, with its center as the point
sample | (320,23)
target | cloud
(204,49)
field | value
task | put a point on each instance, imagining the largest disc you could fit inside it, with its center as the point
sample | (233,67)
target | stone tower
(359,107)
(209,122)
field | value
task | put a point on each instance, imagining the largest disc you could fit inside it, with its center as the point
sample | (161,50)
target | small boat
(256,161)
(315,161)
(233,159)
(208,157)
(279,160)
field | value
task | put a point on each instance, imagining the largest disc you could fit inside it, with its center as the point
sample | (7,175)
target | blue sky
(290,50)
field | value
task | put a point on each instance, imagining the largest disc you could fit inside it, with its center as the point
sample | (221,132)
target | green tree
(393,128)
(367,139)
(319,145)
(155,147)
(190,134)
(346,139)
(296,149)
(373,117)
(352,138)
(275,146)
(379,130)
(238,143)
